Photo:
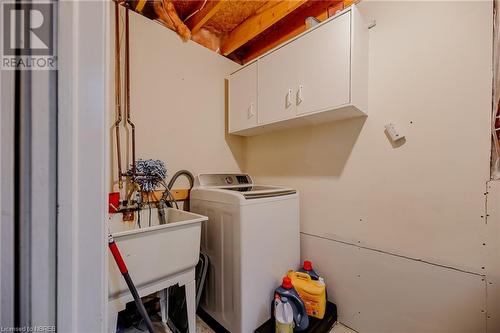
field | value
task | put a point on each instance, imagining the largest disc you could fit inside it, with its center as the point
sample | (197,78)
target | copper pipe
(118,94)
(127,84)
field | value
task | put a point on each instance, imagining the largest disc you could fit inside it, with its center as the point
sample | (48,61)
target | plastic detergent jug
(287,291)
(283,315)
(312,293)
(307,267)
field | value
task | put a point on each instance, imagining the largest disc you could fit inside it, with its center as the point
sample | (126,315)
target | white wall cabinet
(323,66)
(276,85)
(243,98)
(321,75)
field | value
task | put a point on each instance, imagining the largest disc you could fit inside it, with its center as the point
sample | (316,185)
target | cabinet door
(324,66)
(243,98)
(277,79)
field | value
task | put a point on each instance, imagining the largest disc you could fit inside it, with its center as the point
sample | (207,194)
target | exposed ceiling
(238,29)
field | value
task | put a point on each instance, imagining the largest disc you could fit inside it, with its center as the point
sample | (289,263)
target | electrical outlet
(393,133)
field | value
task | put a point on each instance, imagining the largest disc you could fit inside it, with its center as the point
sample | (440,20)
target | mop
(123,269)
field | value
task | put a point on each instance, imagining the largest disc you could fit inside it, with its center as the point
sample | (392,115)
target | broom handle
(123,269)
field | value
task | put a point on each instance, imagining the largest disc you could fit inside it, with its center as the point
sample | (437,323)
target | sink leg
(191,305)
(164,305)
(112,321)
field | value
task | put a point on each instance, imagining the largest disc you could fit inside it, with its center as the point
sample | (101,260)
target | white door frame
(83,61)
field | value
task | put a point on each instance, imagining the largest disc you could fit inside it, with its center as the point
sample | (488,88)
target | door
(28,184)
(324,66)
(243,98)
(277,77)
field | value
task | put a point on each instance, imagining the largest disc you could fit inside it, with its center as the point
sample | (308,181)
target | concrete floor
(159,327)
(201,327)
(339,328)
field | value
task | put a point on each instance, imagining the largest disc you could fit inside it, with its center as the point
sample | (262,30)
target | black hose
(172,181)
(179,173)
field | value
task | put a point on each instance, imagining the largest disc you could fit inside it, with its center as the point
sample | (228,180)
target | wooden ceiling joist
(239,29)
(291,26)
(257,23)
(196,21)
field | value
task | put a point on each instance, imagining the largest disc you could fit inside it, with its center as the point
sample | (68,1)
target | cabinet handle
(289,98)
(299,95)
(250,112)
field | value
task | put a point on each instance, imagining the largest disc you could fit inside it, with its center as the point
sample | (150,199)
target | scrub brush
(149,174)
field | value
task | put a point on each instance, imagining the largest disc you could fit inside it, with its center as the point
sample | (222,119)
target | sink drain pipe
(123,269)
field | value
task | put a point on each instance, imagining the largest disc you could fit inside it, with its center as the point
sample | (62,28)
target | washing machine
(252,240)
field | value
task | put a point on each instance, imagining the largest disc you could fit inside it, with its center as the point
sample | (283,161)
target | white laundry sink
(157,255)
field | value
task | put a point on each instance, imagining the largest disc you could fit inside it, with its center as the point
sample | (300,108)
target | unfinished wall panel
(430,73)
(423,198)
(381,293)
(492,246)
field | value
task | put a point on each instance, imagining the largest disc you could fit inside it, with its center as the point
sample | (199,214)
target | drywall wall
(423,200)
(177,103)
(376,292)
(493,251)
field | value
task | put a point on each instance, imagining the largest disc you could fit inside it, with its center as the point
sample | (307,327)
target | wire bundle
(149,174)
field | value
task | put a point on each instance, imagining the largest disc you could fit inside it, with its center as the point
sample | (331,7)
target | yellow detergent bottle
(312,293)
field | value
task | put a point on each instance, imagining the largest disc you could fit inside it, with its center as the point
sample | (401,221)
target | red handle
(118,257)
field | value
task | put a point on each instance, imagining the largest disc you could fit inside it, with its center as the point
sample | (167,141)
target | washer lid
(239,184)
(260,191)
(250,188)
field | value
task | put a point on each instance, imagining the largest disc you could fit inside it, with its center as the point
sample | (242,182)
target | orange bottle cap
(287,283)
(308,265)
